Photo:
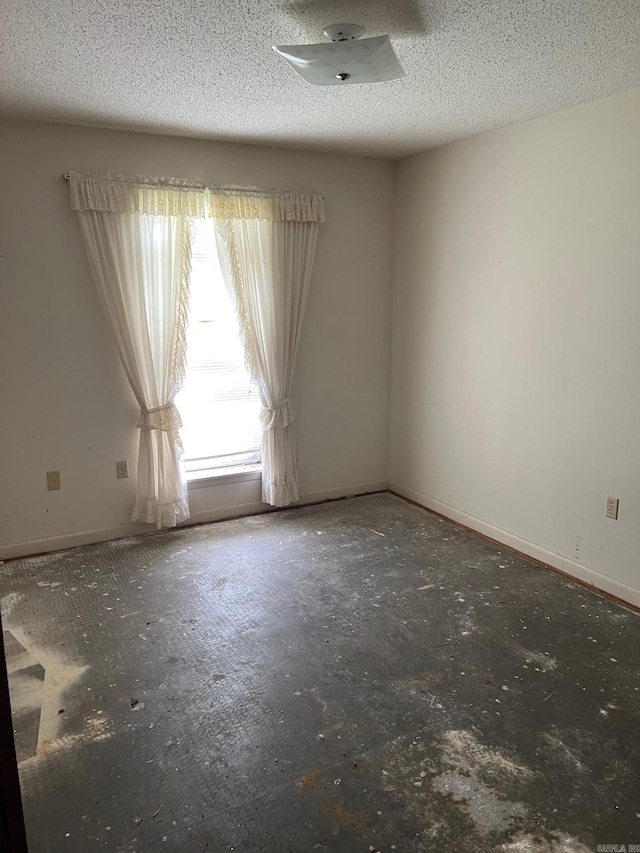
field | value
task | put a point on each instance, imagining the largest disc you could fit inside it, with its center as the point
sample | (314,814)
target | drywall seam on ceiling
(583,574)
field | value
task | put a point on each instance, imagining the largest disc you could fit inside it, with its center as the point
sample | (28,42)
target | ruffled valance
(136,194)
(115,193)
(272,205)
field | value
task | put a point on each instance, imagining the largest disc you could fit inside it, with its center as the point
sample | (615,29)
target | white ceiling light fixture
(345,59)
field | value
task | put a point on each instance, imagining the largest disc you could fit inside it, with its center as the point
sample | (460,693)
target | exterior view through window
(218,403)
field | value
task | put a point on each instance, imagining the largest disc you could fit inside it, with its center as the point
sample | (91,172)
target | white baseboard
(345,492)
(581,573)
(124,531)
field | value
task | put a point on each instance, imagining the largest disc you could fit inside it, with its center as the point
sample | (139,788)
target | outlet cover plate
(611,509)
(122,469)
(53,480)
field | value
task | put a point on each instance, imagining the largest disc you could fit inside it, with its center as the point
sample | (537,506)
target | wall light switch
(611,510)
(53,480)
(122,469)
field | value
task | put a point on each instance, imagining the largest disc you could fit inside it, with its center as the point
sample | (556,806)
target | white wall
(64,401)
(516,337)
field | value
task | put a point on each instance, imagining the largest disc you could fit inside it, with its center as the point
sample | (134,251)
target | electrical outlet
(122,469)
(611,510)
(53,480)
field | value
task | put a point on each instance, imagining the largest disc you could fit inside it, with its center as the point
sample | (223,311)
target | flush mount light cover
(349,59)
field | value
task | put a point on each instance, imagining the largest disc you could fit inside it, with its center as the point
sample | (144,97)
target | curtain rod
(221,189)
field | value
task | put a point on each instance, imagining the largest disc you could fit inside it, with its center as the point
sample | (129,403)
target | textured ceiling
(205,68)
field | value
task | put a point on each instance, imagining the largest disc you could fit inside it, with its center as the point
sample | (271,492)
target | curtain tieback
(166,418)
(278,417)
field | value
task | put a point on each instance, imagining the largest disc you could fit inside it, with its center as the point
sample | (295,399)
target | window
(218,403)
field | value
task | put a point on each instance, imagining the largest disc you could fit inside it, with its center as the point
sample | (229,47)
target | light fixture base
(343,32)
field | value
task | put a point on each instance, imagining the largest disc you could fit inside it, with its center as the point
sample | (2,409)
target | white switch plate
(611,510)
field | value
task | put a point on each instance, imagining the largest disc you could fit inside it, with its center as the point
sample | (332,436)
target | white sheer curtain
(267,245)
(137,233)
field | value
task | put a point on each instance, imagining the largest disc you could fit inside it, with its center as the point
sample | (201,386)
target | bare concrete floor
(356,676)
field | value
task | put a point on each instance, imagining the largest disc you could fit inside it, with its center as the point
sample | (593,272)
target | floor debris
(407,718)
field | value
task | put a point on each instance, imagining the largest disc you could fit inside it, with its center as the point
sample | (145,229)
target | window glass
(218,403)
